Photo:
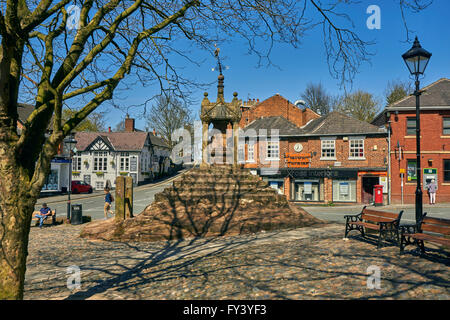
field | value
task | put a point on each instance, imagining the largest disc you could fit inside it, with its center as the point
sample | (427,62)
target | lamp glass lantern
(416,58)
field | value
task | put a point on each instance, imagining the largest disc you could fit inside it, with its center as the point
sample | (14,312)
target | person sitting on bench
(43,214)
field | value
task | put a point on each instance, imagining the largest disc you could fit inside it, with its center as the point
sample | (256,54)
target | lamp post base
(419,205)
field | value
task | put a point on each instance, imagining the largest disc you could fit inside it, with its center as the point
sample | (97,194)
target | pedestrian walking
(108,200)
(432,188)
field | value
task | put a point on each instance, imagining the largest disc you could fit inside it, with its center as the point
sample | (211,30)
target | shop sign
(297,160)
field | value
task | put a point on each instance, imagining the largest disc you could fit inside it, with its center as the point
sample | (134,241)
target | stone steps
(263,196)
(220,184)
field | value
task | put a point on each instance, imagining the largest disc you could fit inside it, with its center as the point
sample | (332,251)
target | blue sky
(298,67)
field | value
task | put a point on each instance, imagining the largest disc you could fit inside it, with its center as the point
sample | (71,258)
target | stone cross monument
(222,115)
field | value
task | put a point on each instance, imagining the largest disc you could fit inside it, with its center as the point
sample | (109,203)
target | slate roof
(436,94)
(24,110)
(157,141)
(334,123)
(285,127)
(120,141)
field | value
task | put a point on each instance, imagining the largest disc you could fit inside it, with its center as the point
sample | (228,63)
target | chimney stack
(129,124)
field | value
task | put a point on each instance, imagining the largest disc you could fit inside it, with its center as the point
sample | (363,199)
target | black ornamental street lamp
(416,60)
(70,142)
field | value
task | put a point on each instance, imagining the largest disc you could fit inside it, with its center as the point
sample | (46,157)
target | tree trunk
(16,208)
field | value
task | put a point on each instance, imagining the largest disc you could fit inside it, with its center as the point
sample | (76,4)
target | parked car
(81,186)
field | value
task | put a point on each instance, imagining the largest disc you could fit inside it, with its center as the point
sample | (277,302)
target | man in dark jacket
(43,214)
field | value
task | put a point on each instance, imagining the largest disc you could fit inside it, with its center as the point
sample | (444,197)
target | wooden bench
(386,223)
(51,215)
(437,231)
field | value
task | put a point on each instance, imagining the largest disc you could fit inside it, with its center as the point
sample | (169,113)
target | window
(273,150)
(124,164)
(328,149)
(446,126)
(241,153)
(344,190)
(306,190)
(356,148)
(51,182)
(76,164)
(411,170)
(99,185)
(410,126)
(277,185)
(446,170)
(251,152)
(100,161)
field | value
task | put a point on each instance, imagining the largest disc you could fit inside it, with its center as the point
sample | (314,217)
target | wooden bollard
(128,197)
(120,199)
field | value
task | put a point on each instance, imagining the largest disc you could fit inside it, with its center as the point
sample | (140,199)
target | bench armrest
(353,217)
(409,228)
(394,224)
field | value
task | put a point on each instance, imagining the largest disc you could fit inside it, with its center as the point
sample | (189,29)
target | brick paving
(304,263)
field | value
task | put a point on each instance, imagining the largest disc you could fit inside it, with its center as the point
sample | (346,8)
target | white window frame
(100,161)
(124,162)
(352,139)
(76,163)
(251,151)
(323,142)
(269,144)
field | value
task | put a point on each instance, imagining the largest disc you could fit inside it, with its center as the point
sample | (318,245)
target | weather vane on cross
(219,64)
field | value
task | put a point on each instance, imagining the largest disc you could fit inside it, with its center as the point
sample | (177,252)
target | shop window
(328,149)
(344,190)
(446,170)
(410,126)
(356,148)
(411,170)
(51,182)
(277,185)
(306,190)
(446,126)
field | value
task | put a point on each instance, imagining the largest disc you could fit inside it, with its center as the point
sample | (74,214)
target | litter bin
(378,194)
(77,214)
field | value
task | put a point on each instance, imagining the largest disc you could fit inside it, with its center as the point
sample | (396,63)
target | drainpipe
(389,160)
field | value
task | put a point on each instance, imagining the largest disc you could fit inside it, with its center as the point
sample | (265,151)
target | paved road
(336,214)
(92,204)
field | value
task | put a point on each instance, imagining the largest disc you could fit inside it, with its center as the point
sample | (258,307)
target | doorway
(368,184)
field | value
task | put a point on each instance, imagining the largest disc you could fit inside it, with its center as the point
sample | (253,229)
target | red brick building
(333,158)
(275,106)
(435,142)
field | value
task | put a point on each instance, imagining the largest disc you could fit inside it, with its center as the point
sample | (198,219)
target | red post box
(378,194)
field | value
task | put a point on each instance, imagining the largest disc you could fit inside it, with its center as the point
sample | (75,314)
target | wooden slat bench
(52,216)
(437,231)
(386,223)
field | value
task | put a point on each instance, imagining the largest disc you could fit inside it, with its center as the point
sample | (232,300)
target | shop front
(58,178)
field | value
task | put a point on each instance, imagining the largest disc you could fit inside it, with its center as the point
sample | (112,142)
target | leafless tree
(166,115)
(317,98)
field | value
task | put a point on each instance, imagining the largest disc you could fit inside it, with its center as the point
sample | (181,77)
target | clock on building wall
(298,147)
